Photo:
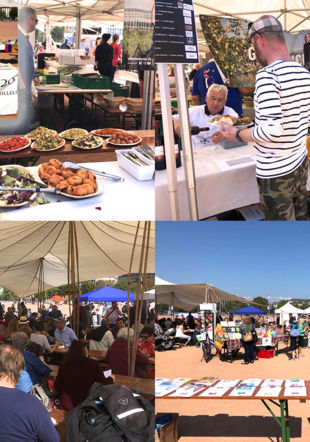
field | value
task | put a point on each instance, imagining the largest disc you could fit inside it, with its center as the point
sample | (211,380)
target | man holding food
(282,110)
(201,116)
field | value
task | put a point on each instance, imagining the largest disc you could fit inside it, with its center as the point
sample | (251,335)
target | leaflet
(214,391)
(291,383)
(243,389)
(189,389)
(295,391)
(253,382)
(272,383)
(269,391)
(228,383)
(165,386)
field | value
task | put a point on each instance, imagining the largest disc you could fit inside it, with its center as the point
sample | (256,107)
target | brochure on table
(189,389)
(165,386)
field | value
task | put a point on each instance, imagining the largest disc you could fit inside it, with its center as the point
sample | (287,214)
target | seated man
(63,335)
(202,116)
(23,417)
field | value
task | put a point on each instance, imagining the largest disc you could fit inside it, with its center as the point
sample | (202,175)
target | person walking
(104,56)
(294,338)
(117,54)
(247,330)
(282,109)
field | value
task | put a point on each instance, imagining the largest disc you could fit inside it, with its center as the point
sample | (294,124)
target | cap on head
(61,320)
(266,23)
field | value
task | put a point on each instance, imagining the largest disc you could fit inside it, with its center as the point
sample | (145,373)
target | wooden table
(146,387)
(53,89)
(148,137)
(281,401)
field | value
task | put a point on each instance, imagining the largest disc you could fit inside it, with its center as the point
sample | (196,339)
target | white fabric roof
(289,308)
(292,14)
(64,10)
(307,310)
(104,250)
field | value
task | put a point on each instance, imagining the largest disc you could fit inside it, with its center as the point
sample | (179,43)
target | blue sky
(248,259)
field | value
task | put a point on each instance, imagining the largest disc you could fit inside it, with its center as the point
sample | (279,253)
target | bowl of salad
(12,199)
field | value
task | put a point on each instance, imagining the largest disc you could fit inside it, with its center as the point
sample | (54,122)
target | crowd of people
(35,339)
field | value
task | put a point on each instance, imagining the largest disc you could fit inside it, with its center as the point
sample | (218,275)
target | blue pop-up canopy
(249,310)
(107,294)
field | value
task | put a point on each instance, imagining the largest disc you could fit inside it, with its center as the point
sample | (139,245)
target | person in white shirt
(202,116)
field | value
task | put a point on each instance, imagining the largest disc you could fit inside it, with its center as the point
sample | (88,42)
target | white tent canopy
(105,249)
(307,310)
(289,308)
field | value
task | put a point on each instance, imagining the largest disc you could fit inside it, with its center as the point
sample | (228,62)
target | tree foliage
(13,13)
(39,35)
(57,33)
(8,295)
(261,300)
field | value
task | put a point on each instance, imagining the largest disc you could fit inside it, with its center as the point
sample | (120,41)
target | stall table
(126,200)
(62,91)
(281,401)
(225,180)
(232,345)
(148,137)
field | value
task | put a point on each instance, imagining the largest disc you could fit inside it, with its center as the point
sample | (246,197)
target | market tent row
(36,253)
(189,296)
(108,294)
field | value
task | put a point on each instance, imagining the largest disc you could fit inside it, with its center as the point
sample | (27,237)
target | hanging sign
(175,39)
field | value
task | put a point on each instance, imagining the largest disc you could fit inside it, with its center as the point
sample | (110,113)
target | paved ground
(8,30)
(232,420)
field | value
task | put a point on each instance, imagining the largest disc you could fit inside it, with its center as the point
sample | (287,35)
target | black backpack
(112,413)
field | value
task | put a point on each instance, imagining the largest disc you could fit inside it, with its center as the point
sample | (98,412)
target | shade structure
(289,308)
(108,294)
(307,310)
(249,310)
(105,250)
(189,296)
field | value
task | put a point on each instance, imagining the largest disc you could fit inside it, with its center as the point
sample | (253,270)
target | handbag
(295,332)
(248,337)
(254,335)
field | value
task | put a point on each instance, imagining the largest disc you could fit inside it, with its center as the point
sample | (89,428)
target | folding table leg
(287,422)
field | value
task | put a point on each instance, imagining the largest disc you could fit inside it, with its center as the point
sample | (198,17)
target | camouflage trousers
(285,198)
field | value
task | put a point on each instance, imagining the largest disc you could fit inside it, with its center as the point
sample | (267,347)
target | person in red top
(76,375)
(117,355)
(146,344)
(117,53)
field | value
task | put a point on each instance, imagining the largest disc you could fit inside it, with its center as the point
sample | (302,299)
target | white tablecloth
(220,186)
(127,200)
(218,190)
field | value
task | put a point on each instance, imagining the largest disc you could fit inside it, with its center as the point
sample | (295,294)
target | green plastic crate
(90,83)
(52,79)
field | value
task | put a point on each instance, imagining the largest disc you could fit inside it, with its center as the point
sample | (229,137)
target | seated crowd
(46,338)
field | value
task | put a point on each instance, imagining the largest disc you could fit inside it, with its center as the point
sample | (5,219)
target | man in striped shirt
(282,111)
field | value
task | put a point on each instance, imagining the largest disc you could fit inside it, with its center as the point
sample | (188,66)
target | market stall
(286,310)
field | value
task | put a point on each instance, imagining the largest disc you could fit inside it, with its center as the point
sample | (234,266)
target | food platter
(23,203)
(38,176)
(37,148)
(18,149)
(98,139)
(125,144)
(110,131)
(53,132)
(68,137)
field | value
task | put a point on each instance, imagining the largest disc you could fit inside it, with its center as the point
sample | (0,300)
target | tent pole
(168,140)
(78,32)
(188,159)
(48,35)
(147,108)
(285,16)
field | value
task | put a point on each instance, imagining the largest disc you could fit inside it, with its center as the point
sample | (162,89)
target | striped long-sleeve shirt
(282,112)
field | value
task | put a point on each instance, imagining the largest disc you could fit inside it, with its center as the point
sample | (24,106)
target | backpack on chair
(113,413)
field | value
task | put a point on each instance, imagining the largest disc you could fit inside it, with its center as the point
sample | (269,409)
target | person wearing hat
(63,334)
(282,109)
(104,56)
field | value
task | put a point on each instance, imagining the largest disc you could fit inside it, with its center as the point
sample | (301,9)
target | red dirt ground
(232,420)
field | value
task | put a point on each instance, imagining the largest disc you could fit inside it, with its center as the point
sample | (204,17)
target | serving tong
(72,165)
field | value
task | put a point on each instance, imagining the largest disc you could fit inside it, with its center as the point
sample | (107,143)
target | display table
(62,91)
(127,200)
(232,345)
(281,401)
(148,137)
(225,180)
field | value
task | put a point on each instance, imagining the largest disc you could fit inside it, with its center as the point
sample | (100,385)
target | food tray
(54,132)
(16,150)
(33,147)
(61,134)
(75,197)
(141,173)
(90,83)
(88,148)
(14,206)
(124,145)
